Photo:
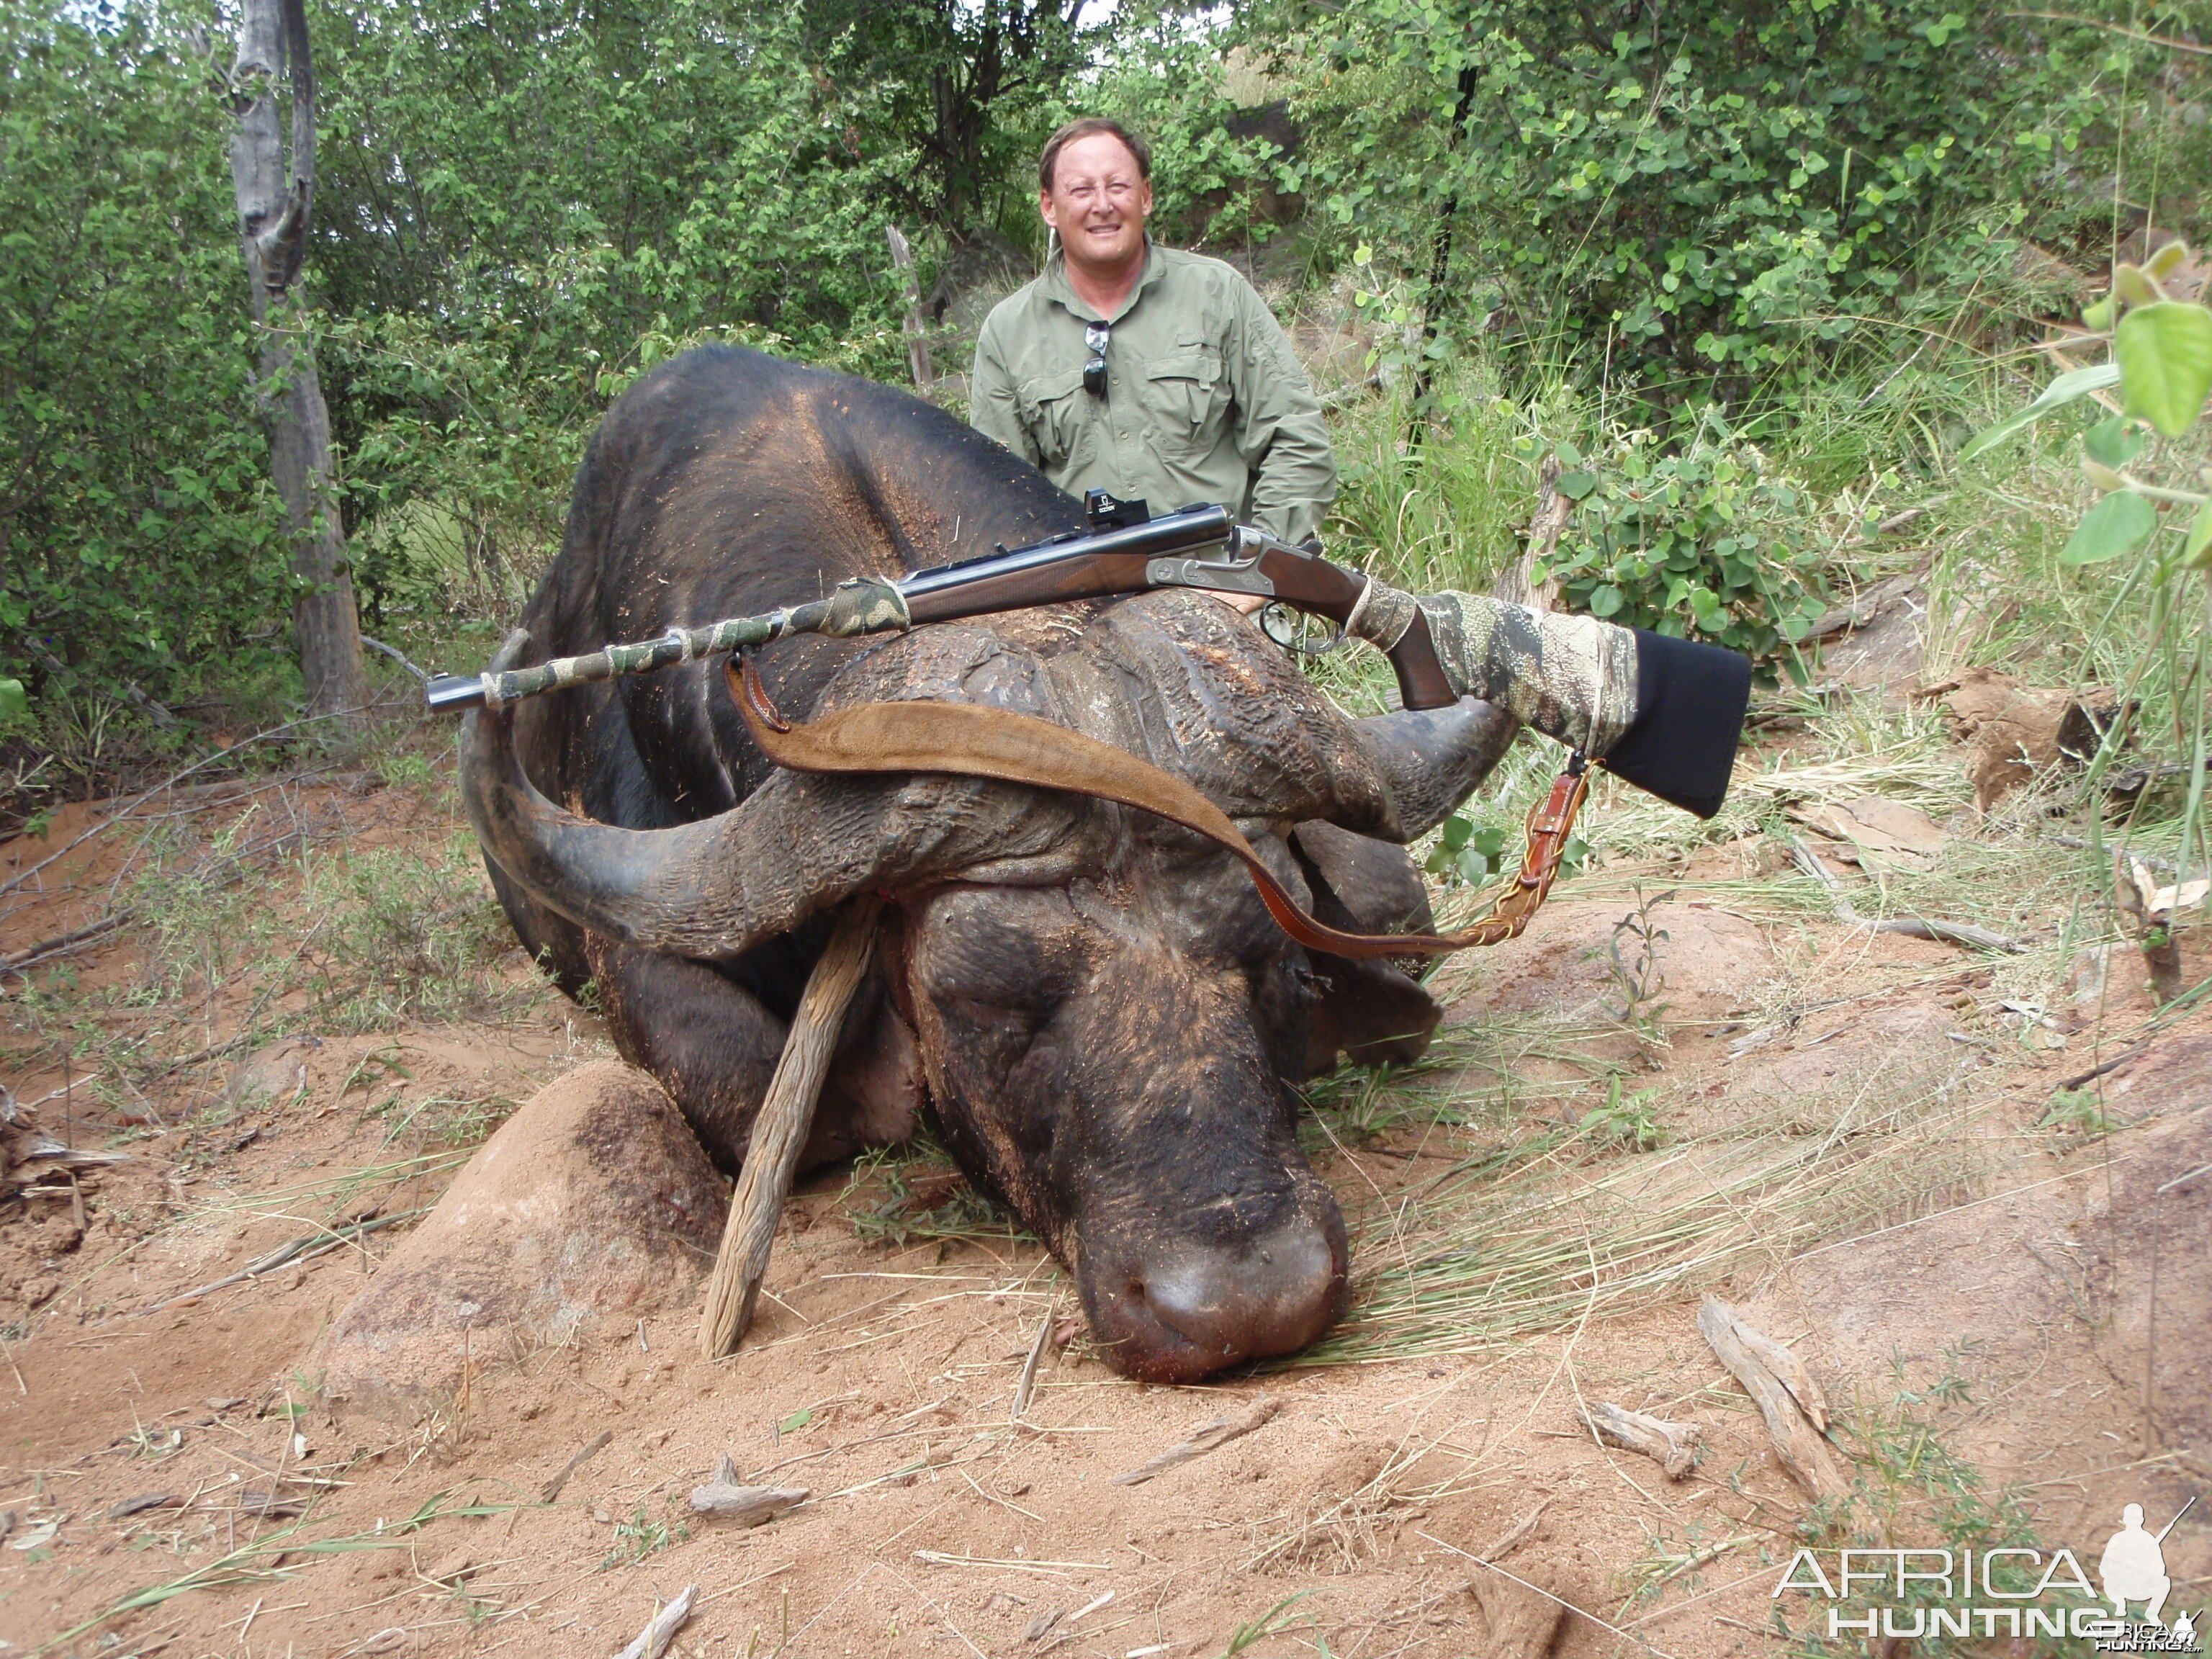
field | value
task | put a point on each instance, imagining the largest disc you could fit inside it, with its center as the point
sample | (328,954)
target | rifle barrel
(1002,579)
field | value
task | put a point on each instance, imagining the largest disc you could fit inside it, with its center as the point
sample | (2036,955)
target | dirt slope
(1959,1276)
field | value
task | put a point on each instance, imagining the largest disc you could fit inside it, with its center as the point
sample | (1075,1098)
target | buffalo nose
(1188,1308)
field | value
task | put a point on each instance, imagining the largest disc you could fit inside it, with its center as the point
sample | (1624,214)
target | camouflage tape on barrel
(864,604)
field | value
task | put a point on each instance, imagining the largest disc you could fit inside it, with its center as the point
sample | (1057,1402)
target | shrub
(1700,542)
(1712,195)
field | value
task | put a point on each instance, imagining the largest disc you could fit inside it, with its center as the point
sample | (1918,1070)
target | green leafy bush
(1700,542)
(139,535)
(1713,195)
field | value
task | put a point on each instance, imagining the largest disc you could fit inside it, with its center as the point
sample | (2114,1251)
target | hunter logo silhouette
(2133,1566)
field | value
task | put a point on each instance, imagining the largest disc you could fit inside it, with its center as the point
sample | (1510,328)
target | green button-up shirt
(1205,399)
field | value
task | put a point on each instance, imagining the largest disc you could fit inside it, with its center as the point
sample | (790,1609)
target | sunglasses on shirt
(1095,336)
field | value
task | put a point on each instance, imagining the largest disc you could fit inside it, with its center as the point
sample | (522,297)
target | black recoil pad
(1691,700)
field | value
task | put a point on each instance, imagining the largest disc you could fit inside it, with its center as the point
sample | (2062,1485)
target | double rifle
(1121,550)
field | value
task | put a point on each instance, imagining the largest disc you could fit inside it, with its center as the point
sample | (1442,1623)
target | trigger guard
(1280,623)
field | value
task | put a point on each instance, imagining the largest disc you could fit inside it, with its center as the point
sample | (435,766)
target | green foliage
(1625,1120)
(2077,1111)
(1468,852)
(641,1535)
(532,203)
(137,531)
(1712,196)
(2164,352)
(1702,543)
(2113,526)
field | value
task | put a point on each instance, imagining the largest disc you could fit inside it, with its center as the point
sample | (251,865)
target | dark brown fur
(1094,1002)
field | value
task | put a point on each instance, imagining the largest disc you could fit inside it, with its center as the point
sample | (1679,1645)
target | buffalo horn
(717,888)
(1433,758)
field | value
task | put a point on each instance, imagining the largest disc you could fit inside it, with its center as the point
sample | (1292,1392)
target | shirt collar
(1057,286)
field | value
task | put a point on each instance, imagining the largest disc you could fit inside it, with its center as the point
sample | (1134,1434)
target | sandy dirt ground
(1985,1299)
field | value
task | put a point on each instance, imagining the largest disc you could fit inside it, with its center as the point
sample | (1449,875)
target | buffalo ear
(1373,1013)
(1361,884)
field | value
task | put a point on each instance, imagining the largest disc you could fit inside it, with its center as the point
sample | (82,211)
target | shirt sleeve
(1279,431)
(992,409)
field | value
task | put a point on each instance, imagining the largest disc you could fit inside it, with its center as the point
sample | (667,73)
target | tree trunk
(917,330)
(272,220)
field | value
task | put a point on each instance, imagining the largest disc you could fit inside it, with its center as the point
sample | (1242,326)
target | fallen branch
(1949,933)
(170,782)
(292,1250)
(1799,1447)
(68,1158)
(653,1641)
(779,1130)
(585,1454)
(1209,1437)
(723,1499)
(1673,1446)
(30,955)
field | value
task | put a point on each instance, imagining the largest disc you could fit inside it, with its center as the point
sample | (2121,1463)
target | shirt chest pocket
(1054,408)
(1186,393)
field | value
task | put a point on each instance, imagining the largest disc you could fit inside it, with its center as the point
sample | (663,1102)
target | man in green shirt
(1145,371)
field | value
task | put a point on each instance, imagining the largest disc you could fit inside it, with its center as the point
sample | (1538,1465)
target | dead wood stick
(1026,1384)
(1208,1437)
(653,1641)
(1800,1447)
(780,1129)
(585,1454)
(1672,1446)
(1514,1536)
(1949,933)
(32,954)
(1519,585)
(306,1247)
(723,1499)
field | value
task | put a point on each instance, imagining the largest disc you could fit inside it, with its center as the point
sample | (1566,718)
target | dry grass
(1550,1227)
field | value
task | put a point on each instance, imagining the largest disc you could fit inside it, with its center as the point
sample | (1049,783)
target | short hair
(1089,126)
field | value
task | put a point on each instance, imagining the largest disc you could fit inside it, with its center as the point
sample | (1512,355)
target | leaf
(2073,384)
(2200,537)
(797,1419)
(2115,442)
(2165,354)
(15,702)
(1576,484)
(1605,599)
(2163,263)
(2131,284)
(2103,478)
(2110,529)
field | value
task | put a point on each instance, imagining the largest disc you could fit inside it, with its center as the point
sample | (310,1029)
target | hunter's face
(1098,202)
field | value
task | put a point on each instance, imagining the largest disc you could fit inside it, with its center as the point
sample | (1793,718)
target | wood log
(723,1499)
(1807,1457)
(780,1129)
(1673,1446)
(660,1630)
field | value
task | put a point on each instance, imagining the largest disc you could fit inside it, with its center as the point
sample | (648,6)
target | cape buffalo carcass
(1093,1002)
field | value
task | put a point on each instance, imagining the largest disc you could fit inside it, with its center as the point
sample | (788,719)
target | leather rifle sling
(968,741)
